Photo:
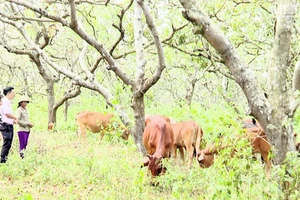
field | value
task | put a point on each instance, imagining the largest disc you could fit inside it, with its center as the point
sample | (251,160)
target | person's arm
(11,116)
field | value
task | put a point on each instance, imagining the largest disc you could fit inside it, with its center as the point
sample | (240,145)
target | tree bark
(281,129)
(138,106)
(66,109)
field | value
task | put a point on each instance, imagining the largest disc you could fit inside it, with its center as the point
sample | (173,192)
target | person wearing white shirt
(8,120)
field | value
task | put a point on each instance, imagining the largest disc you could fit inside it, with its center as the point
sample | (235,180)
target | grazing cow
(259,141)
(187,135)
(256,136)
(158,140)
(98,122)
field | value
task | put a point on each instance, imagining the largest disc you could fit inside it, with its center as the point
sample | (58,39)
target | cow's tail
(199,134)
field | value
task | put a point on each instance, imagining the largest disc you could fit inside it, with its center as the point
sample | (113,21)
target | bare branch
(239,69)
(42,12)
(162,65)
(120,27)
(169,37)
(72,92)
(27,19)
(77,29)
(99,47)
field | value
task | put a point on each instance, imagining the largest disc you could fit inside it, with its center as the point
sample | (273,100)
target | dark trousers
(23,140)
(8,135)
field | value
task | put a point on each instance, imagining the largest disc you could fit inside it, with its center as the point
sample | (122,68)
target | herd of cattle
(162,137)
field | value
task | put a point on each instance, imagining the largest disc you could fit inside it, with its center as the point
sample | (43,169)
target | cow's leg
(82,131)
(181,151)
(174,153)
(101,135)
(268,163)
(188,142)
(190,150)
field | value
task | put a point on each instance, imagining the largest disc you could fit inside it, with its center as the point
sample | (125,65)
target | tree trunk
(66,110)
(51,102)
(138,104)
(139,121)
(280,129)
(191,88)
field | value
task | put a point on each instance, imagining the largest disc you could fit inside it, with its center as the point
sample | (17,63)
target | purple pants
(23,139)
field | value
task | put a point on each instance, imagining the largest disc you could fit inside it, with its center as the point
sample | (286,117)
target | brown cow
(259,143)
(187,135)
(158,140)
(98,122)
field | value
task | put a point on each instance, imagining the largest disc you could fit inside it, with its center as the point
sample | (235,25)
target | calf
(158,140)
(259,143)
(98,122)
(187,135)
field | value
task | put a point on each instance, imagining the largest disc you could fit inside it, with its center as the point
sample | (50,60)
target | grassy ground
(58,166)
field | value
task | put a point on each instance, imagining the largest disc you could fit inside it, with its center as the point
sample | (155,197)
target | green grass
(59,166)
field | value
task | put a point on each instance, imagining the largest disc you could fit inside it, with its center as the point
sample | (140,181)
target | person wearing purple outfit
(24,124)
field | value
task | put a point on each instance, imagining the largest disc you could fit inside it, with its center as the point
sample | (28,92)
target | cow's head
(205,160)
(125,134)
(154,164)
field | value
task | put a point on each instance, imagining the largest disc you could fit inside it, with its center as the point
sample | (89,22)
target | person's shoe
(22,155)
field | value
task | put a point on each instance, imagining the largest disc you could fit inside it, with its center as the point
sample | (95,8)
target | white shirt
(6,108)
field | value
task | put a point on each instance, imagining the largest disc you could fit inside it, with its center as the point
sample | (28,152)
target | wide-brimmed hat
(24,98)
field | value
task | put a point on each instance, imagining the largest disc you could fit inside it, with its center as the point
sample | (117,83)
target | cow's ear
(163,170)
(146,163)
(254,121)
(200,158)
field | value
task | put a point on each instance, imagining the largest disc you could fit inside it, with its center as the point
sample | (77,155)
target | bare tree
(49,77)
